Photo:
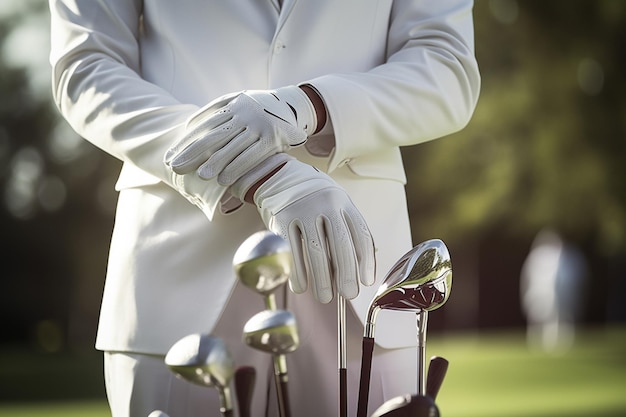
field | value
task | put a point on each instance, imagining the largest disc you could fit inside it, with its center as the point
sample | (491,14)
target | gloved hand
(329,238)
(235,132)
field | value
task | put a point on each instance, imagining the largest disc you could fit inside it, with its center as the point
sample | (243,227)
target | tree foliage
(547,143)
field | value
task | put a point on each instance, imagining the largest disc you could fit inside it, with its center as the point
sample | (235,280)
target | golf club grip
(245,378)
(283,395)
(366,370)
(343,392)
(436,373)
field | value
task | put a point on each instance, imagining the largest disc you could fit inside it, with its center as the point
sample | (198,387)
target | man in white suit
(321,94)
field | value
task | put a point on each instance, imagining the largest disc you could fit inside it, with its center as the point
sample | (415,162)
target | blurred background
(530,199)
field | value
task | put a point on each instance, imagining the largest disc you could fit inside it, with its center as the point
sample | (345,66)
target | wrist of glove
(329,238)
(232,134)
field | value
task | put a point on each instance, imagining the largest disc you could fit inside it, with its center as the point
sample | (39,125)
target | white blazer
(128,73)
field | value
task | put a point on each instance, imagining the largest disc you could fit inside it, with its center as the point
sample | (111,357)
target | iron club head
(420,281)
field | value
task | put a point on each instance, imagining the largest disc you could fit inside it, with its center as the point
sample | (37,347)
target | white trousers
(137,384)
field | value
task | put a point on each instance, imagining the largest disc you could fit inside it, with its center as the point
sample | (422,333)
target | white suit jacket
(127,74)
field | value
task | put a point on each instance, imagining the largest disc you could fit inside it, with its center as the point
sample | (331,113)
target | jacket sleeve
(427,88)
(97,88)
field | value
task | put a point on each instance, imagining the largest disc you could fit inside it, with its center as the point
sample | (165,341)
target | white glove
(329,238)
(234,133)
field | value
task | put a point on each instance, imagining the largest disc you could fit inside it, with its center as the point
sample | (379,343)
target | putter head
(408,406)
(201,359)
(420,280)
(272,331)
(263,262)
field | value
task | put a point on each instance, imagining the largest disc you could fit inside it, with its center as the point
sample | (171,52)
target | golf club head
(272,331)
(408,406)
(420,280)
(157,413)
(201,359)
(263,262)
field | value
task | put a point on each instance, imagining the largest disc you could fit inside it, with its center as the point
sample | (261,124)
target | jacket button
(278,47)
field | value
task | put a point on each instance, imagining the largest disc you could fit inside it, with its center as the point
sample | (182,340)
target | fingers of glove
(218,123)
(200,117)
(244,162)
(316,251)
(197,127)
(363,243)
(200,150)
(342,254)
(227,155)
(298,281)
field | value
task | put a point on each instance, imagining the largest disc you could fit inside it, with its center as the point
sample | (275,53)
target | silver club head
(420,281)
(201,359)
(408,405)
(157,413)
(272,331)
(263,262)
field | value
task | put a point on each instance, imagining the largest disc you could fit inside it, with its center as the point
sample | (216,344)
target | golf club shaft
(281,378)
(270,302)
(366,369)
(226,403)
(422,322)
(436,373)
(342,355)
(280,369)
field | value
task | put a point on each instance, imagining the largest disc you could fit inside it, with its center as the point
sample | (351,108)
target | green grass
(497,375)
(490,375)
(82,408)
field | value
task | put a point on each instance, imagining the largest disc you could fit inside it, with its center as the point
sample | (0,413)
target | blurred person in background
(297,107)
(552,291)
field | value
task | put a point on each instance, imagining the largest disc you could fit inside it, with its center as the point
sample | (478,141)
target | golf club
(342,356)
(245,378)
(157,413)
(408,406)
(275,332)
(263,262)
(436,373)
(418,405)
(419,282)
(204,360)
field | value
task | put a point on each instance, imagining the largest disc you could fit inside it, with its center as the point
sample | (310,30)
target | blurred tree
(547,142)
(56,197)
